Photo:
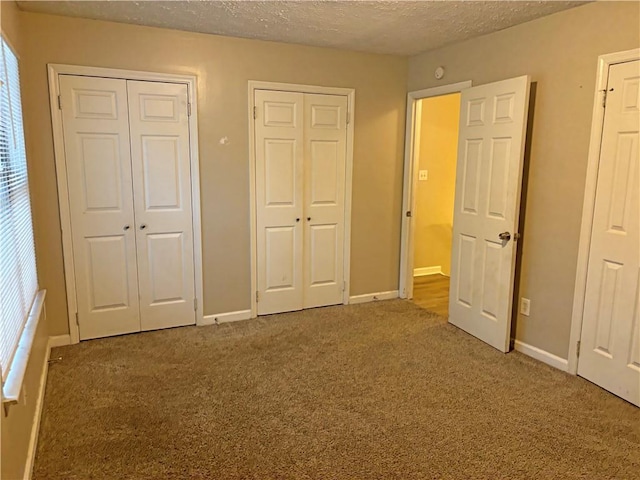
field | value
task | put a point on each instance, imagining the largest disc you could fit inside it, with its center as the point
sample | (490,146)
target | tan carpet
(379,391)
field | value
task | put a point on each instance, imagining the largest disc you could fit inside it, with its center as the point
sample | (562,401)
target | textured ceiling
(393,27)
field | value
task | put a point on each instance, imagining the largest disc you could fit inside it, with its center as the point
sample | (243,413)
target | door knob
(504,236)
(143,226)
(126,227)
(297,219)
(308,219)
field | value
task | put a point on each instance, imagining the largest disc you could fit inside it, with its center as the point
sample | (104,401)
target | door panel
(325,147)
(279,209)
(96,142)
(491,153)
(162,182)
(610,340)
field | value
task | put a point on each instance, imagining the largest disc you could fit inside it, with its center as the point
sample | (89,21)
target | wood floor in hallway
(431,292)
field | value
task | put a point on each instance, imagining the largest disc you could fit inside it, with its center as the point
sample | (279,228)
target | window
(18,278)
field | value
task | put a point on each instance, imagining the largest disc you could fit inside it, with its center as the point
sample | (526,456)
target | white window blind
(18,278)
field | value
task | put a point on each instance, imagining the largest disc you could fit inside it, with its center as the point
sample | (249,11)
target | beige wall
(435,196)
(223,66)
(560,53)
(17,423)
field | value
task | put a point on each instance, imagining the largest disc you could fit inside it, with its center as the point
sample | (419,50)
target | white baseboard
(371,297)
(542,355)
(422,271)
(59,341)
(226,317)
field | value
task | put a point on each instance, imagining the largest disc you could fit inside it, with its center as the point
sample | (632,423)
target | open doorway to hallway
(436,148)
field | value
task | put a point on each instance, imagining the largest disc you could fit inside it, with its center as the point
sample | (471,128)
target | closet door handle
(126,227)
(308,219)
(297,219)
(143,226)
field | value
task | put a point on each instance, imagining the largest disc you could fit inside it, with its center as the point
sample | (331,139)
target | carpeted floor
(382,390)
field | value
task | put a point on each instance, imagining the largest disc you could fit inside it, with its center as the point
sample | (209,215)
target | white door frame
(350,93)
(593,162)
(54,70)
(411,164)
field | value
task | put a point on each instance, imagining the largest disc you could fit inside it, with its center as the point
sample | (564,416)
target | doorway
(436,144)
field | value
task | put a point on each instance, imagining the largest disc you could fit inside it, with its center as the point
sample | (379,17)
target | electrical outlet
(423,175)
(525,306)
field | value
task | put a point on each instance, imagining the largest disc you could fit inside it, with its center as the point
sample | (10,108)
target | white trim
(59,341)
(372,297)
(411,147)
(350,93)
(542,355)
(12,386)
(226,317)
(35,425)
(54,70)
(424,271)
(593,161)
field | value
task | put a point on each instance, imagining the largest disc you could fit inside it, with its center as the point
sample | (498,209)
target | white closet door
(610,341)
(325,146)
(279,209)
(162,185)
(493,123)
(96,142)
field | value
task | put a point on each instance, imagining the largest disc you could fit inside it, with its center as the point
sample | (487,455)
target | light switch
(423,175)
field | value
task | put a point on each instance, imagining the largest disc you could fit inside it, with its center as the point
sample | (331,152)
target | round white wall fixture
(439,73)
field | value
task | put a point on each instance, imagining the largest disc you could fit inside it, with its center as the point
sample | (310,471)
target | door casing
(54,70)
(288,87)
(593,162)
(411,163)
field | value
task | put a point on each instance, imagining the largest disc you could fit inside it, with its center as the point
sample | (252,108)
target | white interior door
(325,148)
(610,339)
(96,142)
(493,121)
(158,115)
(279,200)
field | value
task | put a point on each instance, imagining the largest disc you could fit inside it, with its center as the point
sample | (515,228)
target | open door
(493,124)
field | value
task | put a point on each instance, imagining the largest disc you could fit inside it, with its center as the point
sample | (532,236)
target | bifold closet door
(325,152)
(300,142)
(279,177)
(159,129)
(97,149)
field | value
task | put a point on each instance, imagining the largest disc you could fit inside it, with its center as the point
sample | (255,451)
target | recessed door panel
(107,272)
(324,164)
(160,161)
(610,339)
(324,241)
(96,143)
(161,170)
(167,268)
(280,171)
(280,259)
(493,120)
(471,175)
(99,155)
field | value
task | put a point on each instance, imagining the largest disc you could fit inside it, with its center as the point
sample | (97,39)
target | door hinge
(188,109)
(257,296)
(195,304)
(77,319)
(255,113)
(348,118)
(578,349)
(605,94)
(408,214)
(344,286)
(59,102)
